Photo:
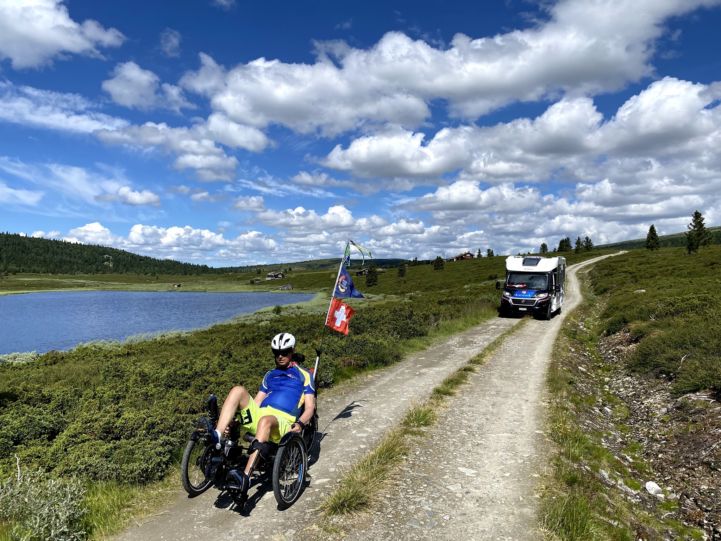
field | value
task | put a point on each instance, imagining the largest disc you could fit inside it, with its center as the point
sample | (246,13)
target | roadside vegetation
(648,329)
(114,416)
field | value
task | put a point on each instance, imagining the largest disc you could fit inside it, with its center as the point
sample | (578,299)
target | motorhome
(534,285)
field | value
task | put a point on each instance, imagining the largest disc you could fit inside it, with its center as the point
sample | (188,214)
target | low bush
(669,303)
(41,507)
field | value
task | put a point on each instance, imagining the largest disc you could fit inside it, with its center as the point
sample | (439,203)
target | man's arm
(309,409)
(260,397)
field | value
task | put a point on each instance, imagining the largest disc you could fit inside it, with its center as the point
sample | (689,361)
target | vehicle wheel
(289,470)
(549,311)
(193,467)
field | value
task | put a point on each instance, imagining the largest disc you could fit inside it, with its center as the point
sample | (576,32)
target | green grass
(669,303)
(361,483)
(576,504)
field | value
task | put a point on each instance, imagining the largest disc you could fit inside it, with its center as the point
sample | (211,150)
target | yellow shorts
(250,416)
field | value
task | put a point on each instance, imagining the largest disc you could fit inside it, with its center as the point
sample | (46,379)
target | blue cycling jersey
(286,389)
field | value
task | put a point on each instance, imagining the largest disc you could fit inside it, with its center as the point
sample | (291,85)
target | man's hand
(297,426)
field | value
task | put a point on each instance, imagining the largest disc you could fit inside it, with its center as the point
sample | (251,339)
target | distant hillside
(27,254)
(665,241)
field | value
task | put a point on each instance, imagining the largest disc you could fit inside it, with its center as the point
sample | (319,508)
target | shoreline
(317,297)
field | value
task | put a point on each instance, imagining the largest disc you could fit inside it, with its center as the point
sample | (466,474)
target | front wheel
(194,467)
(289,468)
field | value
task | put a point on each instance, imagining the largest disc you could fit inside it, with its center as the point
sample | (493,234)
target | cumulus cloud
(185,243)
(582,48)
(34,107)
(128,196)
(34,32)
(134,87)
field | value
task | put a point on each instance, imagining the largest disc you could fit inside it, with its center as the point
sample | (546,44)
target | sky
(230,132)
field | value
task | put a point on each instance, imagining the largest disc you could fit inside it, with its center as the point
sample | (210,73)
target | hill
(21,254)
(665,241)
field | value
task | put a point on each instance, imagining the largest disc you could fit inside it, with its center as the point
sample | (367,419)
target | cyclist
(285,391)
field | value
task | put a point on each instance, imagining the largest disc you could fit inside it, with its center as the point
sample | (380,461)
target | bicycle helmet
(281,341)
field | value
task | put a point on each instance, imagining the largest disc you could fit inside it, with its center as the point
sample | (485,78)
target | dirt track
(477,485)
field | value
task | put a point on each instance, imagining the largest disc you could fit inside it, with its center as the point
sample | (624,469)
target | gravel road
(475,483)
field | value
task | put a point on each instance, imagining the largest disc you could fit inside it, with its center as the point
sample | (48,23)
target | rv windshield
(527,280)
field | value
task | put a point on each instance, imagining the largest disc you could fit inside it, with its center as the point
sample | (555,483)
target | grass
(664,300)
(577,504)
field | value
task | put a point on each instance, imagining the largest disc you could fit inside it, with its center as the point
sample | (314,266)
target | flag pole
(332,293)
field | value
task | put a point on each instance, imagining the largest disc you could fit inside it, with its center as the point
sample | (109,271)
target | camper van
(534,284)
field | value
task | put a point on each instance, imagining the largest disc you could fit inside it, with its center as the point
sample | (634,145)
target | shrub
(41,507)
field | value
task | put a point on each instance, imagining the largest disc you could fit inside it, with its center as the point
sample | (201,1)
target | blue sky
(231,133)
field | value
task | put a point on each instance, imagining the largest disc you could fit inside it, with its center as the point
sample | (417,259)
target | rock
(653,489)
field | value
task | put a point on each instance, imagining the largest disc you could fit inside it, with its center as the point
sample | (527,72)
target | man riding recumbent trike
(280,423)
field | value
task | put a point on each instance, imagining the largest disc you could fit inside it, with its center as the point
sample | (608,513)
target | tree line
(27,254)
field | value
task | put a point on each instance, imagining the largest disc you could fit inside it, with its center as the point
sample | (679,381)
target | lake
(62,320)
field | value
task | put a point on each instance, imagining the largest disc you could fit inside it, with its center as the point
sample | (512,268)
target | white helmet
(283,340)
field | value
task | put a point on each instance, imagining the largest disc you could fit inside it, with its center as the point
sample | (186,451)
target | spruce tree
(402,270)
(587,243)
(544,248)
(697,234)
(652,242)
(579,245)
(489,253)
(478,255)
(438,263)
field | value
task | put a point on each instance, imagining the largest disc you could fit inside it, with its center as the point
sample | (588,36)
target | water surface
(61,320)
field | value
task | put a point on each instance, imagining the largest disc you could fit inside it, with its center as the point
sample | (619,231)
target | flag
(344,286)
(363,251)
(339,315)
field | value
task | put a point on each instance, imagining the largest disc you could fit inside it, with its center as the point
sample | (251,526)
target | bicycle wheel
(193,467)
(289,470)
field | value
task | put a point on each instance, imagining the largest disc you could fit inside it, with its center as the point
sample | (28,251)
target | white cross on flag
(339,315)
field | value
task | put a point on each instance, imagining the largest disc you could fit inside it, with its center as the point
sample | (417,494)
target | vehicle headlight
(541,295)
(507,294)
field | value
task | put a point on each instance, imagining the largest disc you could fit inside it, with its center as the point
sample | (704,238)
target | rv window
(531,261)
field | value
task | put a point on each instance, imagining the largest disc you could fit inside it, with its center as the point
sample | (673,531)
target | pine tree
(579,245)
(697,234)
(478,255)
(587,243)
(438,263)
(544,248)
(564,245)
(652,242)
(489,253)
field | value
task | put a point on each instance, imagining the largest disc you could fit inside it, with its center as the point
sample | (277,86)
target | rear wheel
(289,468)
(194,466)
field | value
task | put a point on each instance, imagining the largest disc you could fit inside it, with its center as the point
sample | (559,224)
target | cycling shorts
(250,416)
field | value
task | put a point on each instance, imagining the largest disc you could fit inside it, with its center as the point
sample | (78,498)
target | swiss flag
(339,315)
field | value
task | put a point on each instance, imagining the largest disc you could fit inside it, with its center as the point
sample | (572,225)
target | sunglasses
(282,352)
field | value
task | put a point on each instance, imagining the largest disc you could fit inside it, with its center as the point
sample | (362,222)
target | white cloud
(234,135)
(137,198)
(192,146)
(170,42)
(249,203)
(134,87)
(584,47)
(92,233)
(34,32)
(30,106)
(15,196)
